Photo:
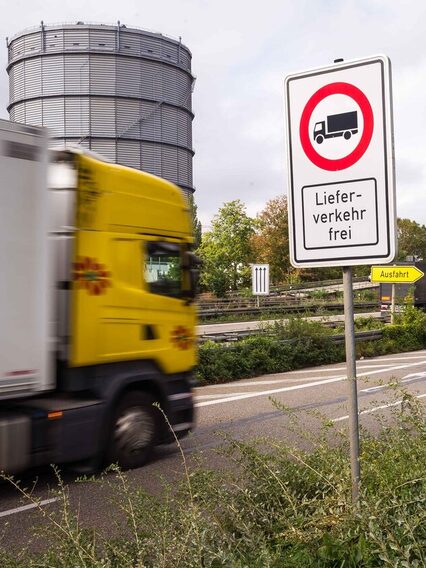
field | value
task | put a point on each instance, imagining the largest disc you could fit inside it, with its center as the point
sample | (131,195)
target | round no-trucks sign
(340,164)
(346,125)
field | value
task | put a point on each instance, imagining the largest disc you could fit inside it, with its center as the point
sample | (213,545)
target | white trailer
(24,283)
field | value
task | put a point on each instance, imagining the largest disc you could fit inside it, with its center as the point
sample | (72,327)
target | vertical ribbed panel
(76,39)
(106,148)
(184,166)
(169,123)
(33,112)
(129,153)
(76,74)
(102,117)
(77,117)
(103,40)
(128,78)
(53,75)
(128,118)
(12,85)
(169,163)
(150,46)
(53,40)
(33,43)
(183,129)
(54,116)
(33,78)
(124,93)
(102,75)
(130,43)
(19,81)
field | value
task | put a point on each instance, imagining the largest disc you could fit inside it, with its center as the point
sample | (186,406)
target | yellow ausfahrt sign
(396,274)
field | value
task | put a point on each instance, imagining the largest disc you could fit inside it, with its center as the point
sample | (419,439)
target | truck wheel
(347,134)
(134,432)
(319,139)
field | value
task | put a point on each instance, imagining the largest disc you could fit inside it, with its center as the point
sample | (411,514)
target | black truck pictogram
(344,124)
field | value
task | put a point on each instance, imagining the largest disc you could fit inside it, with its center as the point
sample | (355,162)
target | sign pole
(341,198)
(393,304)
(352,381)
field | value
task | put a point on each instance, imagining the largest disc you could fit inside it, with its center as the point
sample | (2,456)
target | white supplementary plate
(260,279)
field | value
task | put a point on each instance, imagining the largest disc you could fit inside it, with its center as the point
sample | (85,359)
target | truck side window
(163,272)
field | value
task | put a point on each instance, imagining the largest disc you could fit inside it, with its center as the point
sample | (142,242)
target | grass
(274,506)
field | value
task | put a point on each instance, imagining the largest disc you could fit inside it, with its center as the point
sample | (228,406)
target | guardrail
(291,297)
(319,284)
(307,285)
(278,307)
(234,336)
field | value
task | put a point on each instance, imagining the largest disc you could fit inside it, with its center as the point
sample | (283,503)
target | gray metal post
(393,304)
(352,382)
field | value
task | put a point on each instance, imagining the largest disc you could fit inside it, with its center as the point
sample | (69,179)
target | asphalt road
(243,410)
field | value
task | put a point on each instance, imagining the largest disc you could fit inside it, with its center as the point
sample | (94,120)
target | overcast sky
(241,53)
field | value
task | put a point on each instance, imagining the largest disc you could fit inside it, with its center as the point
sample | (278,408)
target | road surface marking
(229,398)
(411,378)
(342,368)
(398,358)
(408,357)
(374,409)
(28,507)
(414,377)
(200,396)
(361,366)
(270,382)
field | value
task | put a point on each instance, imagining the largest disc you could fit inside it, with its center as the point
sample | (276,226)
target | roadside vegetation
(313,303)
(235,240)
(308,309)
(300,343)
(271,506)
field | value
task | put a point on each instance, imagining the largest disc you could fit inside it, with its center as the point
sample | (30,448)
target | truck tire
(347,135)
(134,431)
(319,139)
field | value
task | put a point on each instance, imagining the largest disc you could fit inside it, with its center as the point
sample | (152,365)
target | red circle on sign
(358,96)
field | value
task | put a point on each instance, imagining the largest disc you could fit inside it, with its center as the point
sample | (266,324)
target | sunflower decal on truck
(91,275)
(182,337)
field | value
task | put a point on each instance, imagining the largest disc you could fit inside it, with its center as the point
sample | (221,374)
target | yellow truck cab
(113,312)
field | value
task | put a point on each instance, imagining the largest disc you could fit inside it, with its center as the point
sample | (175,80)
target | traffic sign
(340,164)
(396,274)
(260,279)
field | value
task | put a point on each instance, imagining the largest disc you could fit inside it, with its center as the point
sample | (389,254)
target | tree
(226,250)
(196,225)
(411,239)
(270,243)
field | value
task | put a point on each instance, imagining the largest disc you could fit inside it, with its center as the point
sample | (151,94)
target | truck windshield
(318,126)
(163,272)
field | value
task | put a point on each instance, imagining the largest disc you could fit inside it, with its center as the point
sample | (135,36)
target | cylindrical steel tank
(121,91)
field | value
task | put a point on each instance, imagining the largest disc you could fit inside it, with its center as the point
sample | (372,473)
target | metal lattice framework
(123,92)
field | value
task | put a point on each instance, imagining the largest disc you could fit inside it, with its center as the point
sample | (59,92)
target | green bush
(296,343)
(292,346)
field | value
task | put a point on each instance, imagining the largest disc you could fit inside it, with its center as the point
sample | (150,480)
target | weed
(274,506)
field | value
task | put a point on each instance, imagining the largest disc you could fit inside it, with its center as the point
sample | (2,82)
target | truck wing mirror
(191,263)
(191,260)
